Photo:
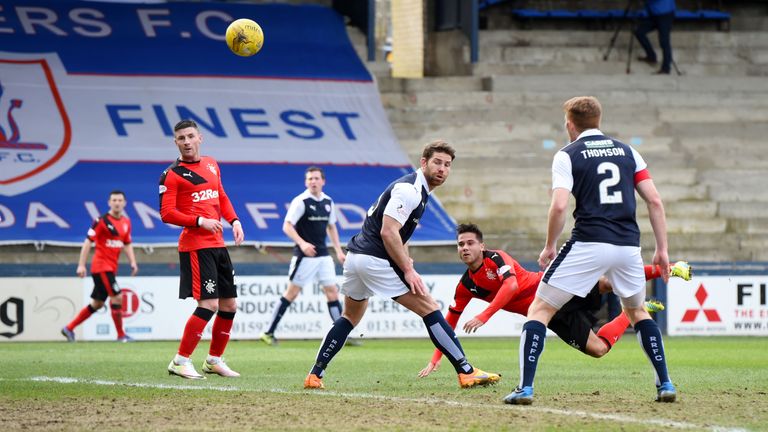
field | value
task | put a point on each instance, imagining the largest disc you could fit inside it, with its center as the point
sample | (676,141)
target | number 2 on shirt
(613,179)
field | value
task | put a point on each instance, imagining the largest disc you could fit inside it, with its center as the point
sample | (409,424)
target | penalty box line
(556,411)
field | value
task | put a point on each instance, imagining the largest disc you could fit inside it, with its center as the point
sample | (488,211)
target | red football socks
(652,272)
(193,331)
(222,325)
(611,332)
(83,315)
(117,317)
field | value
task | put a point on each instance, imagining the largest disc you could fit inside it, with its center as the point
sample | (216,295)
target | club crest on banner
(35,131)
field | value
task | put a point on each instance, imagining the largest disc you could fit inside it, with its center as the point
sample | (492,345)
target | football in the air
(244,37)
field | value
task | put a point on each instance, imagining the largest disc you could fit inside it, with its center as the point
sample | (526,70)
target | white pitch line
(562,412)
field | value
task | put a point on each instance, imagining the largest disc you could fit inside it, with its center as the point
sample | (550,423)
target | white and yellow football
(244,37)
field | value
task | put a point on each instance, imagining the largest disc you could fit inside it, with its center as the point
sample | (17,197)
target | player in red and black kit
(496,277)
(192,196)
(111,233)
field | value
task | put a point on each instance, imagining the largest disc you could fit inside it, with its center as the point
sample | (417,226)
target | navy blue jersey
(600,173)
(310,217)
(404,200)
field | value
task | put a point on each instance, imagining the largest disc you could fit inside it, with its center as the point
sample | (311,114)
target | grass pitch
(722,385)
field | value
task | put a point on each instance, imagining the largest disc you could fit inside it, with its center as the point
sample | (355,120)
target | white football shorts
(304,271)
(366,276)
(579,265)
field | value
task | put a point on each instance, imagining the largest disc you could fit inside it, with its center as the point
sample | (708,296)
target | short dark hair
(438,146)
(186,123)
(315,168)
(584,112)
(469,228)
(117,192)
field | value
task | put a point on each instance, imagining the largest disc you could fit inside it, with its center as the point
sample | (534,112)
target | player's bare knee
(354,310)
(292,292)
(353,317)
(97,304)
(227,304)
(425,306)
(331,292)
(604,286)
(597,350)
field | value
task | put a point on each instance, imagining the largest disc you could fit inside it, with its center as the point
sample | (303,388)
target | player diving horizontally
(494,276)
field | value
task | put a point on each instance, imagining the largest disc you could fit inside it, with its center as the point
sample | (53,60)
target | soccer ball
(244,37)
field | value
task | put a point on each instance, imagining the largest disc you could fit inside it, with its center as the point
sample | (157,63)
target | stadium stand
(700,132)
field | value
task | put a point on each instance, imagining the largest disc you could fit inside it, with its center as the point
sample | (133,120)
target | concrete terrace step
(447,84)
(636,99)
(725,152)
(742,210)
(742,131)
(713,114)
(735,185)
(536,55)
(616,66)
(588,84)
(749,226)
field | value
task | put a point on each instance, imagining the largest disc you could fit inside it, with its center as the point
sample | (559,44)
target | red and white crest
(35,131)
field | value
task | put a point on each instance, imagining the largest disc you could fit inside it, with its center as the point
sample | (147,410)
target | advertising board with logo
(35,309)
(718,305)
(152,311)
(106,81)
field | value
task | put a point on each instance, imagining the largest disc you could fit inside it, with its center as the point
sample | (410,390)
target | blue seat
(563,14)
(529,13)
(715,15)
(615,13)
(722,18)
(482,4)
(682,14)
(594,14)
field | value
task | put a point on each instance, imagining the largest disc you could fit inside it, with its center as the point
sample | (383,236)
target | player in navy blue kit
(378,264)
(603,174)
(311,218)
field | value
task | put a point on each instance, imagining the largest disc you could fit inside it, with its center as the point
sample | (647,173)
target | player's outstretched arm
(648,192)
(555,224)
(507,291)
(393,243)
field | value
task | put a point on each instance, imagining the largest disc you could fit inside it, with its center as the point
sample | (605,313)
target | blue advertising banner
(90,91)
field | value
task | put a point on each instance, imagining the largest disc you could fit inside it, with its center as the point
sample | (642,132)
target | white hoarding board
(718,305)
(153,311)
(35,309)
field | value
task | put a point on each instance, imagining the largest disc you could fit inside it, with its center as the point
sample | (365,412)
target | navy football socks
(278,315)
(531,347)
(334,309)
(445,340)
(649,336)
(331,345)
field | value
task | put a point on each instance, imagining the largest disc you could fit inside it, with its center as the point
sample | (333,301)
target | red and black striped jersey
(110,235)
(501,281)
(189,190)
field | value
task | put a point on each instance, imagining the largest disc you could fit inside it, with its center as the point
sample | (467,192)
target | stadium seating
(700,133)
(526,15)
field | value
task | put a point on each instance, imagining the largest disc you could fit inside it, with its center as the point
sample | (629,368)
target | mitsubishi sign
(718,305)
